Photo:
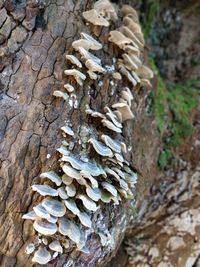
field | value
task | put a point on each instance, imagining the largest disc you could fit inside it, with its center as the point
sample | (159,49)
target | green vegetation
(172,106)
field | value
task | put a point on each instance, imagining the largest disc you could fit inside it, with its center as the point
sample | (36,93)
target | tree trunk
(34,37)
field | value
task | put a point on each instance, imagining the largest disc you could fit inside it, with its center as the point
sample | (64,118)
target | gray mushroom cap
(70,229)
(41,211)
(45,228)
(51,175)
(44,190)
(42,256)
(56,246)
(100,148)
(54,207)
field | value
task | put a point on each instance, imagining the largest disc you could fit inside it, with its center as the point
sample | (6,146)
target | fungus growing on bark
(111,126)
(106,9)
(94,67)
(56,246)
(74,60)
(51,175)
(54,207)
(44,190)
(58,93)
(125,111)
(45,228)
(100,148)
(119,39)
(42,256)
(69,87)
(78,76)
(95,18)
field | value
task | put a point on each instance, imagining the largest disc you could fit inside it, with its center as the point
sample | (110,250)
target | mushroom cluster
(72,195)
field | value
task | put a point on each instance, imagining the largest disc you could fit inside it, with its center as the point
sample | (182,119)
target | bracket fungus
(95,18)
(65,215)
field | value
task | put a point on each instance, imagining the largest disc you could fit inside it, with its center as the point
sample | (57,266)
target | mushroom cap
(41,211)
(88,203)
(93,17)
(71,172)
(119,39)
(110,188)
(70,229)
(44,190)
(91,39)
(58,93)
(74,60)
(67,179)
(51,175)
(41,256)
(93,193)
(145,72)
(66,129)
(93,66)
(56,246)
(127,9)
(87,175)
(54,207)
(105,9)
(69,87)
(78,76)
(92,75)
(125,110)
(71,205)
(85,219)
(71,190)
(62,193)
(111,126)
(114,145)
(87,55)
(129,62)
(100,148)
(31,215)
(30,248)
(45,228)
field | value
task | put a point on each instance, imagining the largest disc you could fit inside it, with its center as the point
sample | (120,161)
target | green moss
(151,8)
(164,158)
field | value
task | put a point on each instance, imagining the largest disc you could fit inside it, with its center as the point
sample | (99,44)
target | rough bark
(34,37)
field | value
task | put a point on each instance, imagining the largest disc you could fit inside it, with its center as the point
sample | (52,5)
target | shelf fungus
(78,76)
(98,172)
(95,18)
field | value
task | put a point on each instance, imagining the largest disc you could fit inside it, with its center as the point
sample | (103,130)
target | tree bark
(34,37)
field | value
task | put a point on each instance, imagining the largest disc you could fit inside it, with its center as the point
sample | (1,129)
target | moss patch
(172,106)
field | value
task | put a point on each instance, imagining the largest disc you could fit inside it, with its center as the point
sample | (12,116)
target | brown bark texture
(34,37)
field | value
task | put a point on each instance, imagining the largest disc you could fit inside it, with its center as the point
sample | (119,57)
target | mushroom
(62,193)
(30,248)
(132,49)
(92,75)
(45,228)
(106,196)
(93,193)
(54,207)
(110,188)
(117,76)
(41,212)
(58,93)
(87,55)
(135,28)
(31,215)
(125,110)
(70,229)
(87,175)
(94,18)
(88,203)
(78,76)
(44,190)
(118,115)
(126,10)
(69,87)
(71,190)
(89,38)
(66,129)
(129,34)
(127,95)
(74,60)
(71,172)
(51,175)
(71,205)
(135,76)
(41,256)
(100,148)
(106,9)
(124,71)
(130,64)
(55,246)
(112,117)
(145,82)
(94,67)
(114,145)
(63,150)
(119,39)
(85,219)
(67,179)
(111,126)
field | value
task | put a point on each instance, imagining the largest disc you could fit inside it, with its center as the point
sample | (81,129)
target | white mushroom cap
(41,256)
(129,34)
(54,207)
(93,17)
(51,175)
(129,62)
(105,9)
(67,179)
(114,145)
(93,193)
(125,110)
(71,172)
(31,215)
(85,219)
(69,87)
(55,246)
(87,175)
(71,190)
(74,60)
(91,39)
(94,67)
(71,205)
(145,72)
(66,129)
(111,126)
(45,228)
(41,211)
(78,76)
(100,148)
(58,93)
(110,188)
(87,55)
(112,117)
(70,229)
(88,203)
(44,190)
(124,71)
(30,248)
(119,39)
(62,193)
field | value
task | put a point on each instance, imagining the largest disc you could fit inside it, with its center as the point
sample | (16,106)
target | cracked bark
(34,37)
